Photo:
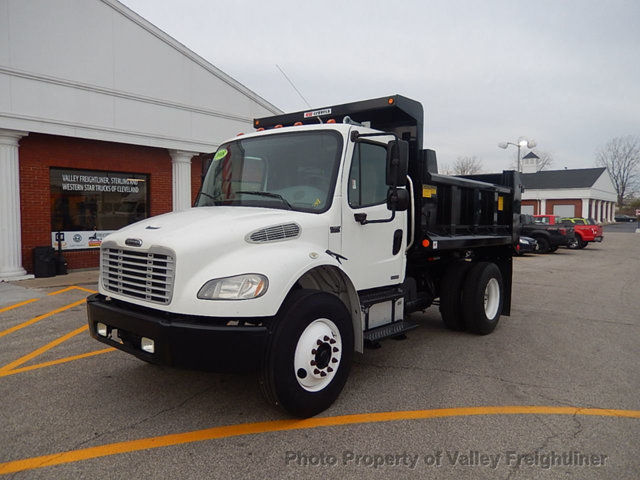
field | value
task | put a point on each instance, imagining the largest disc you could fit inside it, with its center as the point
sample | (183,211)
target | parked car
(585,231)
(549,237)
(624,218)
(526,245)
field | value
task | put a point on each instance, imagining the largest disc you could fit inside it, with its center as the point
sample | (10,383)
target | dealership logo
(77,238)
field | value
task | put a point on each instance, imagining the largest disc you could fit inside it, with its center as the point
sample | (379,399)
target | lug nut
(323,374)
(335,349)
(316,371)
(326,339)
(332,341)
(312,363)
(334,360)
(329,369)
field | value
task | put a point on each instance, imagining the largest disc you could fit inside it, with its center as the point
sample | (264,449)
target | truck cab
(310,238)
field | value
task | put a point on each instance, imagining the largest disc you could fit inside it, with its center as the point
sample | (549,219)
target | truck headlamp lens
(239,287)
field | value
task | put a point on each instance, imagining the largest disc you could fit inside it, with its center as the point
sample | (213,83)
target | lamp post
(522,142)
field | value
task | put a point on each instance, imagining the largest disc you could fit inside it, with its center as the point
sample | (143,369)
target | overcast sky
(565,73)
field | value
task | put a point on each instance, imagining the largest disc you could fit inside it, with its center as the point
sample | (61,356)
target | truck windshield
(294,171)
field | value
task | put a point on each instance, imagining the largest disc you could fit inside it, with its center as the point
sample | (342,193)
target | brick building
(584,192)
(104,120)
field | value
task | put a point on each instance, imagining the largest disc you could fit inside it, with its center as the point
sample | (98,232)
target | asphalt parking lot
(552,393)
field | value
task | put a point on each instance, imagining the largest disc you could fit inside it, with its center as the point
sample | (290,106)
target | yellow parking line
(21,304)
(41,317)
(55,362)
(41,350)
(287,425)
(72,287)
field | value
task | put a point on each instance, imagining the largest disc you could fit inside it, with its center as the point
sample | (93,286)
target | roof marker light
(261,129)
(390,101)
(278,126)
(297,124)
(331,120)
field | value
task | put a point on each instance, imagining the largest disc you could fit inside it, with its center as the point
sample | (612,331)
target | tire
(581,243)
(451,295)
(543,245)
(482,298)
(309,353)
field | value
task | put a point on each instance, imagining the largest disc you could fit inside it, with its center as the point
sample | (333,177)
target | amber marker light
(390,101)
(426,243)
(278,126)
(261,129)
(297,124)
(331,120)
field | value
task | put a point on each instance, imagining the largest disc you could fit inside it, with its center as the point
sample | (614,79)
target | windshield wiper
(270,195)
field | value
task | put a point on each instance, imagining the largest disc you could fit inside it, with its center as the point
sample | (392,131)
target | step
(390,330)
(379,296)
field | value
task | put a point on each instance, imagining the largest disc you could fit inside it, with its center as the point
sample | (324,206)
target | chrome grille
(275,233)
(144,275)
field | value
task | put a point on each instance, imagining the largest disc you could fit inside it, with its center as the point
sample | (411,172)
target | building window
(87,205)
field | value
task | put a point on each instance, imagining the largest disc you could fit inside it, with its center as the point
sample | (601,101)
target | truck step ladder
(391,330)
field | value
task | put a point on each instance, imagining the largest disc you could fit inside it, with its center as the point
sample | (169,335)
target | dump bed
(468,212)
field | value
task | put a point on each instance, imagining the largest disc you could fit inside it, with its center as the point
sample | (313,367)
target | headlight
(240,287)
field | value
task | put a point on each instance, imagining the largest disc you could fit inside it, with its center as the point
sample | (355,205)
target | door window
(367,179)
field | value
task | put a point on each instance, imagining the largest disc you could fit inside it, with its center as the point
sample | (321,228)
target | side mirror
(398,199)
(397,162)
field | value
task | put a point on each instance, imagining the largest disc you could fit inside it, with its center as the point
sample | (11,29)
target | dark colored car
(625,218)
(526,245)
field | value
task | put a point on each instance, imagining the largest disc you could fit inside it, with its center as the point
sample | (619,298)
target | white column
(585,207)
(10,234)
(598,210)
(543,206)
(181,163)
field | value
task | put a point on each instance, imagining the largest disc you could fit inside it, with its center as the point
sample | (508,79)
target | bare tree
(467,166)
(621,156)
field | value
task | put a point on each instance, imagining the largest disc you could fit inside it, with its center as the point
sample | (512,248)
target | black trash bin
(44,262)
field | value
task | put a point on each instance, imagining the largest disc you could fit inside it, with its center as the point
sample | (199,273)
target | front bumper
(181,341)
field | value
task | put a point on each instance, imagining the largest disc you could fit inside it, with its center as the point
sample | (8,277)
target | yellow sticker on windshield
(317,202)
(221,154)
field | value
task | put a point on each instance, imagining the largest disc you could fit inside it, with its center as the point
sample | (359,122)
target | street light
(522,142)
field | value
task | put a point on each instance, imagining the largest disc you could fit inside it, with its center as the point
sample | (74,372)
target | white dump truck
(310,238)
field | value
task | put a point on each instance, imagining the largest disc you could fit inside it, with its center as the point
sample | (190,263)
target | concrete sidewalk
(75,277)
(21,290)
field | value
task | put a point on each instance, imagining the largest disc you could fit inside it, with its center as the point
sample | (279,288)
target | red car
(585,232)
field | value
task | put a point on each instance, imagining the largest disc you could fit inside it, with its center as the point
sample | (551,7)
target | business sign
(79,239)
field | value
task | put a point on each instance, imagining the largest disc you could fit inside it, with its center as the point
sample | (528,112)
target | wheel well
(332,280)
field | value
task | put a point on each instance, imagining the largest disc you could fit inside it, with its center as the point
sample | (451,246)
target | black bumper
(181,341)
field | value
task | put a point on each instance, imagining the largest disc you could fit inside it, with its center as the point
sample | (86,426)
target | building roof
(557,179)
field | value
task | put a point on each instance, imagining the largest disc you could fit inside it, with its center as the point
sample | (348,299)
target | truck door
(374,251)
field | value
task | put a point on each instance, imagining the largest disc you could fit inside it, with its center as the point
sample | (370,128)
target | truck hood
(215,227)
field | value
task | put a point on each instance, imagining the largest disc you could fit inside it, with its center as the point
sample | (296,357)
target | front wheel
(543,245)
(482,298)
(309,353)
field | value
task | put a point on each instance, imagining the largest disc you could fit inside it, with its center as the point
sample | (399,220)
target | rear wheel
(309,353)
(482,298)
(451,295)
